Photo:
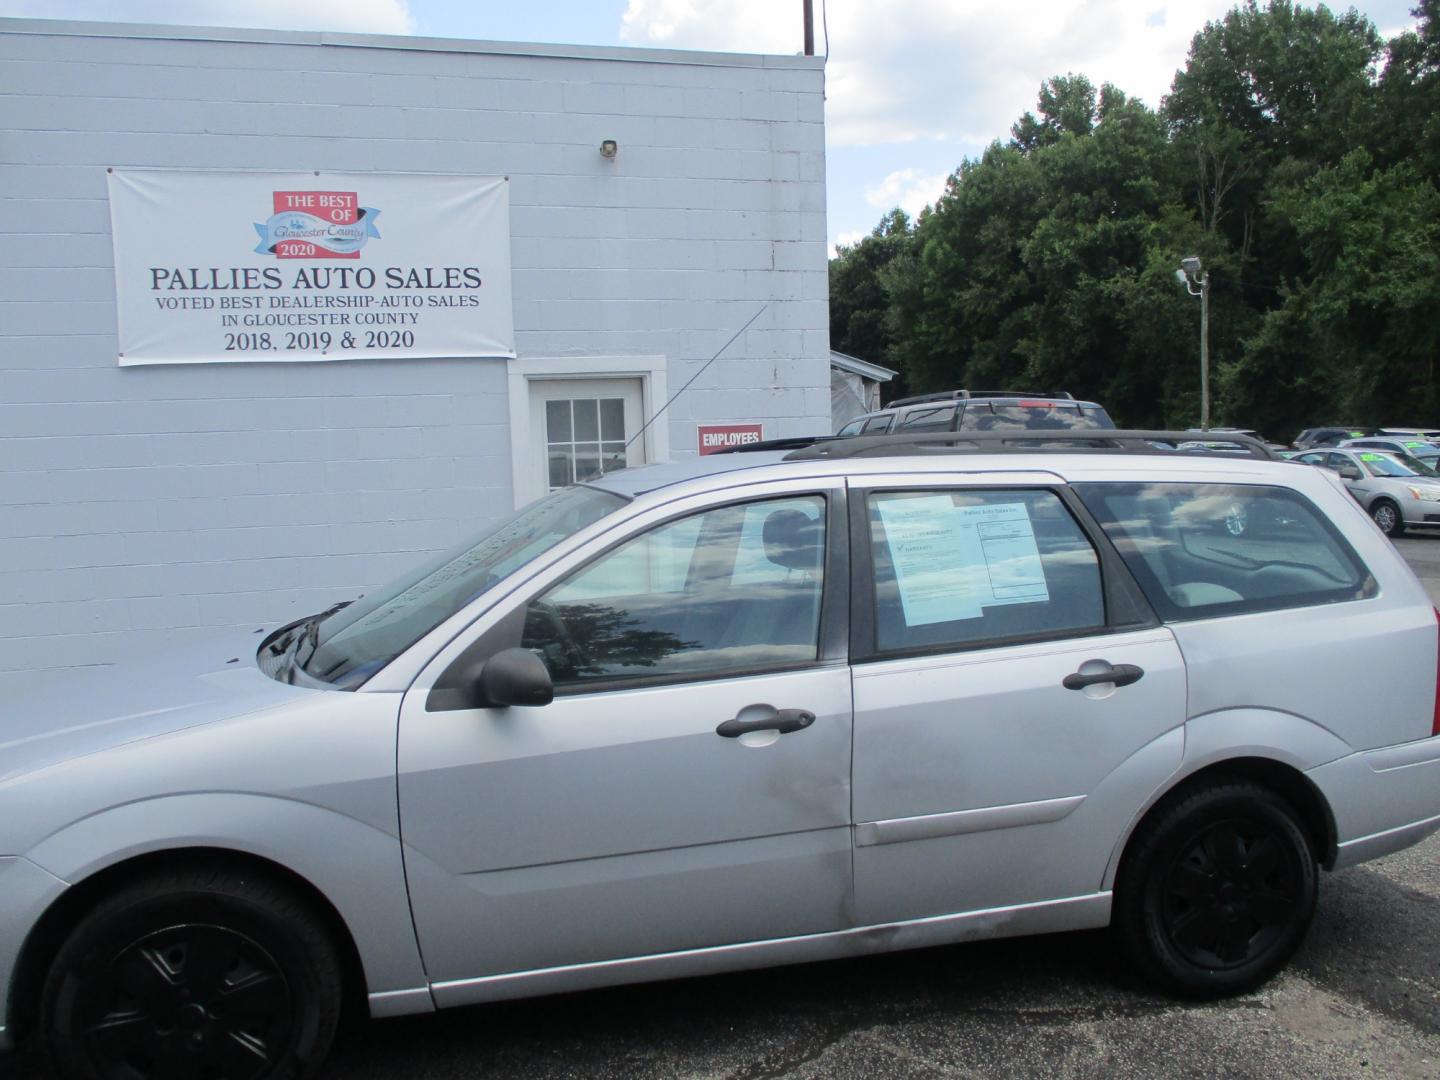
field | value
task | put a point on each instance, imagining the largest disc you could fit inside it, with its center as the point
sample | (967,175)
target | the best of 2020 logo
(317,225)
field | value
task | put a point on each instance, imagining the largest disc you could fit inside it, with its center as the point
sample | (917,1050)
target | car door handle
(1119,674)
(781,720)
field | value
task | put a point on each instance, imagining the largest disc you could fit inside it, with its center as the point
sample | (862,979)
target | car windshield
(1395,465)
(352,644)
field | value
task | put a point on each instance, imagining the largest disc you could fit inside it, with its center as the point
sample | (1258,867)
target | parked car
(981,410)
(1433,434)
(1216,432)
(1422,450)
(1313,438)
(730,712)
(1398,491)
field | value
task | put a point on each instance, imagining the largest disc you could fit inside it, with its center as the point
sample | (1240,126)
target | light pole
(1192,275)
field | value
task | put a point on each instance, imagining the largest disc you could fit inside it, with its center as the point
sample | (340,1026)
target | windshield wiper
(306,629)
(310,633)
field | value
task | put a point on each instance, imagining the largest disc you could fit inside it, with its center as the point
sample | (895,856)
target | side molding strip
(930,826)
(1070,913)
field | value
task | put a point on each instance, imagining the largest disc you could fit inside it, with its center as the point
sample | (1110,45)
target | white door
(579,428)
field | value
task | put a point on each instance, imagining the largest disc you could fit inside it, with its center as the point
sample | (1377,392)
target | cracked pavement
(1361,998)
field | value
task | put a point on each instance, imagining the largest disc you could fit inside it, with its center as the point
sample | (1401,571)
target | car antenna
(645,426)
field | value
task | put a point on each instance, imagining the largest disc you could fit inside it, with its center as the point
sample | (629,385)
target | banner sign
(347,266)
(716,437)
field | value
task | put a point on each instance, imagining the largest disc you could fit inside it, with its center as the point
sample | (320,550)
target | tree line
(1297,154)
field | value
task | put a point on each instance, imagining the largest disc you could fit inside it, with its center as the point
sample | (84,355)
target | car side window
(852,428)
(940,418)
(1202,550)
(732,590)
(961,568)
(879,425)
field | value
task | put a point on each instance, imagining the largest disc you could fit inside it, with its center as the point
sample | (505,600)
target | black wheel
(1387,515)
(198,975)
(1216,890)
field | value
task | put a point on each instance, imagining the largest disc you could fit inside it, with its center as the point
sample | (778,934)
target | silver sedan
(1397,490)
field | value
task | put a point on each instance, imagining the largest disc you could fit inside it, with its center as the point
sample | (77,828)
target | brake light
(1435,723)
(1037,404)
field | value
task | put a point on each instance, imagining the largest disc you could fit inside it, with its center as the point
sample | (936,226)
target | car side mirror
(1349,472)
(514,677)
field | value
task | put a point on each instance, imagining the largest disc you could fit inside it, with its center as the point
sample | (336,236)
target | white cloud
(910,189)
(356,16)
(956,70)
(849,239)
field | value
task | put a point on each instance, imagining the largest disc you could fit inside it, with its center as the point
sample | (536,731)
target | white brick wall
(139,506)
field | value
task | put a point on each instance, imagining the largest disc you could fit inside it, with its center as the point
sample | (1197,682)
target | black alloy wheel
(187,1001)
(208,976)
(1217,890)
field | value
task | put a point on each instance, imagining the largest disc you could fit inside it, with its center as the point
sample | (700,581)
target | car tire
(204,972)
(1387,516)
(1216,891)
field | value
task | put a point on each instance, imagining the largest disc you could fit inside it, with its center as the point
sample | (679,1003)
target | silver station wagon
(743,710)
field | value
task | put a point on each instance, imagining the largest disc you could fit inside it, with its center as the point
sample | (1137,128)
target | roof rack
(960,395)
(1026,441)
(793,442)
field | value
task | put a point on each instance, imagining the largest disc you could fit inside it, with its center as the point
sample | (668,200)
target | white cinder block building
(142,504)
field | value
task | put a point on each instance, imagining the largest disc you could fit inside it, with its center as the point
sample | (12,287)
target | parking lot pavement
(1362,998)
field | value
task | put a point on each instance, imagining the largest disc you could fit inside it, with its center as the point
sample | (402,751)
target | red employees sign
(717,437)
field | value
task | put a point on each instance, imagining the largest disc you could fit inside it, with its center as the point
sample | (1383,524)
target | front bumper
(26,891)
(1382,800)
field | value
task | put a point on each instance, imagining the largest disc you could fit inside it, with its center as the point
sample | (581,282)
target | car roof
(644,478)
(903,456)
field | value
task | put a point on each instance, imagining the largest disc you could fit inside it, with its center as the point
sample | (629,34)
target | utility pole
(1191,275)
(808,9)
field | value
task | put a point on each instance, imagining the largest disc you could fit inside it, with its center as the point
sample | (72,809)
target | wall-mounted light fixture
(608,149)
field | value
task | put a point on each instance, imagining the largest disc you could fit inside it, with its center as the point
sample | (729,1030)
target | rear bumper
(25,892)
(1382,800)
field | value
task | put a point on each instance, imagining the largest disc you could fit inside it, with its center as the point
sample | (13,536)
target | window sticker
(1372,457)
(952,562)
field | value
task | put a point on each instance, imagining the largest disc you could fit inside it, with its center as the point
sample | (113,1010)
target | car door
(629,817)
(1353,475)
(1016,702)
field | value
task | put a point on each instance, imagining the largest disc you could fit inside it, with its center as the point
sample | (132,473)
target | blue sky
(913,86)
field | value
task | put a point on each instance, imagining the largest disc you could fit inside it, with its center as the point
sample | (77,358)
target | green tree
(1354,338)
(859,306)
(1304,178)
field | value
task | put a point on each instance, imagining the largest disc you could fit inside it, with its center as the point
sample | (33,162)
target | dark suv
(1313,438)
(981,410)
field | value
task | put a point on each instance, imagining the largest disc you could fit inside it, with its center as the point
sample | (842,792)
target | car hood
(93,709)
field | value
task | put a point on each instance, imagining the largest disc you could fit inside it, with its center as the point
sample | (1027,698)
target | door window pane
(557,421)
(573,429)
(730,590)
(612,418)
(1200,550)
(964,567)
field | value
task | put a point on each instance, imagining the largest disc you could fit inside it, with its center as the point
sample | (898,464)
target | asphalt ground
(1362,998)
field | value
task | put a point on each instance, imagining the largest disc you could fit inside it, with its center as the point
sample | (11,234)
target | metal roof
(855,366)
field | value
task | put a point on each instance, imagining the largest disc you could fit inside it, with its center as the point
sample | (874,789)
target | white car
(1397,490)
(736,711)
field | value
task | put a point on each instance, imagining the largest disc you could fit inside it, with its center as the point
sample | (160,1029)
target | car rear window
(1023,416)
(1202,550)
